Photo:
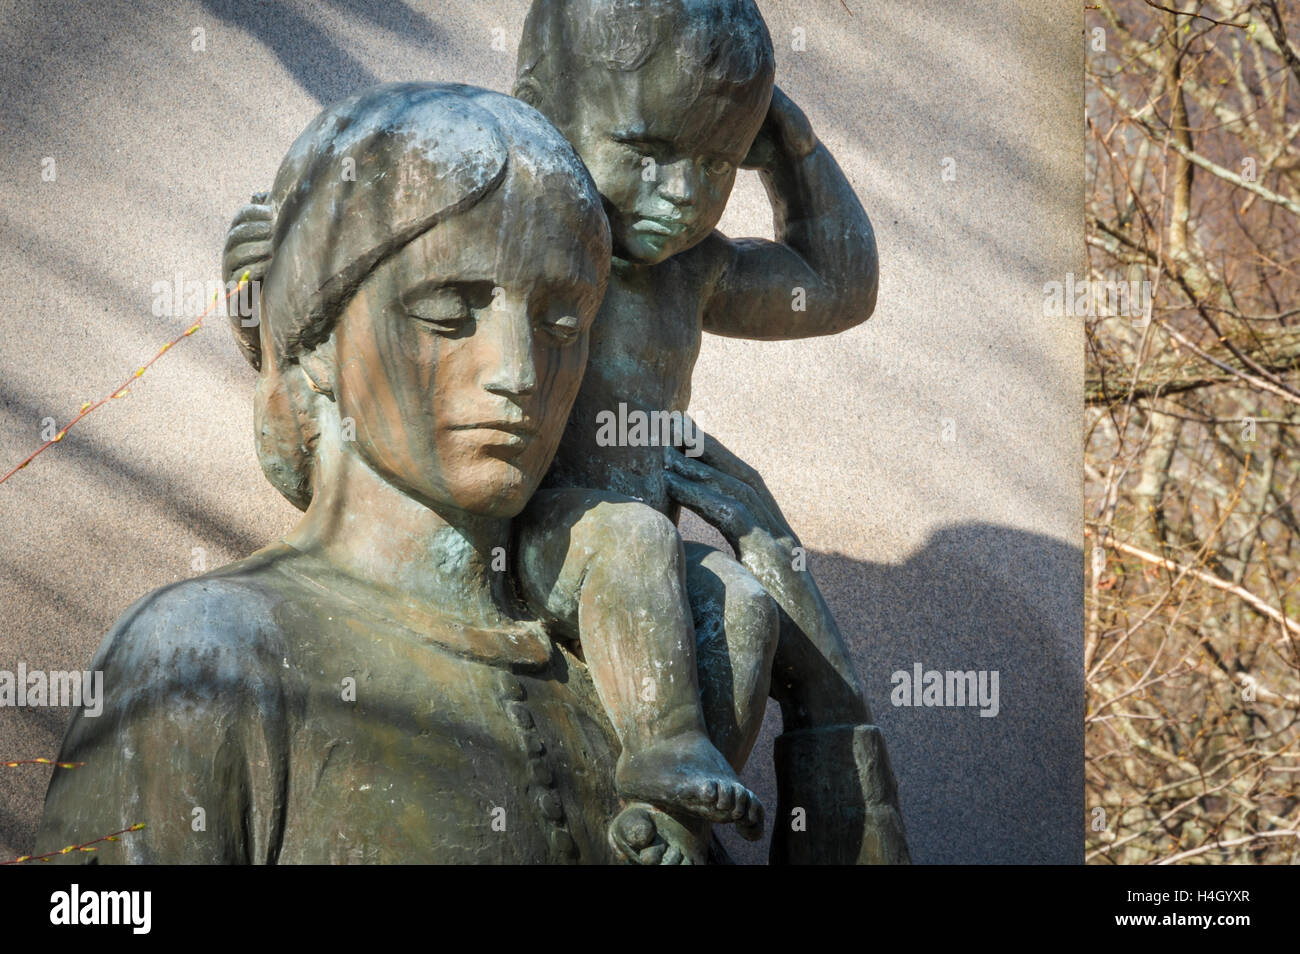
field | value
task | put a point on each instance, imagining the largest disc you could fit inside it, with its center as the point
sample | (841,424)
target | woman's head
(437,255)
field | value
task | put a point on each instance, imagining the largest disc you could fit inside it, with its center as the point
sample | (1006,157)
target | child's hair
(368,176)
(723,42)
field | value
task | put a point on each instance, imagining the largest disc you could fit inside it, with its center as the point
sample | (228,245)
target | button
(509,686)
(539,773)
(519,715)
(563,844)
(549,805)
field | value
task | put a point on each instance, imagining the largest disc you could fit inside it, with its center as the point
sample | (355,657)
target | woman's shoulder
(208,633)
(197,710)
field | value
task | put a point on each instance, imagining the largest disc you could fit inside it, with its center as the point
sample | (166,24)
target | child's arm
(824,244)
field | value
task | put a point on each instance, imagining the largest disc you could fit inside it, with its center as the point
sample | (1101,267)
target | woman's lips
(506,434)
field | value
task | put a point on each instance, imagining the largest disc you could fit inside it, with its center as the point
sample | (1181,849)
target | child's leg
(736,627)
(610,572)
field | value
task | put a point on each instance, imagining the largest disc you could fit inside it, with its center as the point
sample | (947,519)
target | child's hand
(786,134)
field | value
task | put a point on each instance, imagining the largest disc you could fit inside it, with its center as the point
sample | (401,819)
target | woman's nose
(508,344)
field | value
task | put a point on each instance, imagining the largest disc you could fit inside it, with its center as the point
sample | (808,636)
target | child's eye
(718,168)
(444,310)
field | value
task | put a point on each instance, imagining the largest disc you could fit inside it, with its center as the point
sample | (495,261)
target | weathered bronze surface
(442,662)
(665,100)
(370,689)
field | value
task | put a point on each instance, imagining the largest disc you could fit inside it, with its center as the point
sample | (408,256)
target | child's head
(662,100)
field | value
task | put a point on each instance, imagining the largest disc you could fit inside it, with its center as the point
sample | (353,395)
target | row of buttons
(540,775)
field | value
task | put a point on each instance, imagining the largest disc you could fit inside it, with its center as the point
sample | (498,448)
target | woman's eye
(717,167)
(445,311)
(642,148)
(564,330)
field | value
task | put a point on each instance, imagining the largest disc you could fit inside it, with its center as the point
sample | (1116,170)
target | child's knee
(752,613)
(628,537)
(571,539)
(756,609)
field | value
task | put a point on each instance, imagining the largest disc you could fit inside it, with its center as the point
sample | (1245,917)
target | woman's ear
(320,365)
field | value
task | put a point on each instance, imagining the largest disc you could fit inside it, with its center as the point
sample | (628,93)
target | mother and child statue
(485,640)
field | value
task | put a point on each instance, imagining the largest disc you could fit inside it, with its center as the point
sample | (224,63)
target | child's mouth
(655,227)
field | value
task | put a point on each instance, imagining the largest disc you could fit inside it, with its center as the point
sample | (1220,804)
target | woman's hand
(812,675)
(248,252)
(729,494)
(248,242)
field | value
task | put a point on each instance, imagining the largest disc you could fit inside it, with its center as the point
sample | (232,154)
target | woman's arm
(812,676)
(837,799)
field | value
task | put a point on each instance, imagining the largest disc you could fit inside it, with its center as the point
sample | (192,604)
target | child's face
(664,152)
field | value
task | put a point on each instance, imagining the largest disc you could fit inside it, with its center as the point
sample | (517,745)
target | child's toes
(633,834)
(726,802)
(710,792)
(655,855)
(740,803)
(635,829)
(751,826)
(643,835)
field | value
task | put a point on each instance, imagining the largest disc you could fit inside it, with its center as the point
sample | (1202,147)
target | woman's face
(460,356)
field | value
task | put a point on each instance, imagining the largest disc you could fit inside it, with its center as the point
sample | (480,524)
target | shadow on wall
(1000,789)
(323,66)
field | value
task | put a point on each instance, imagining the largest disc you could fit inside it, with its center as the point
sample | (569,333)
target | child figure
(665,100)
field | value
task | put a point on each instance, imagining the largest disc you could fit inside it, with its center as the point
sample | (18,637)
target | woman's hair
(724,42)
(367,176)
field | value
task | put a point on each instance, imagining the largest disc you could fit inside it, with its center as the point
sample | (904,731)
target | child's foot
(687,773)
(643,835)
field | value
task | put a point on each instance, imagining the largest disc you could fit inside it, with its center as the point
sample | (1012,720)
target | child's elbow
(855,302)
(861,281)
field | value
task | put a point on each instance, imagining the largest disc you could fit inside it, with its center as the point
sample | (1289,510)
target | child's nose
(678,182)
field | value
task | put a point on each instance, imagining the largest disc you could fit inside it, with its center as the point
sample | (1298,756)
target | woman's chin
(497,490)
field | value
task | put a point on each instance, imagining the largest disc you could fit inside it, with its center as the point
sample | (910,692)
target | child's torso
(644,344)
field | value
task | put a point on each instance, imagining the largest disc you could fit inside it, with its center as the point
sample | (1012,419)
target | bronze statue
(370,689)
(410,675)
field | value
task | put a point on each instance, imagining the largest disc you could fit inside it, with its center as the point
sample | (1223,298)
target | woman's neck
(453,563)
